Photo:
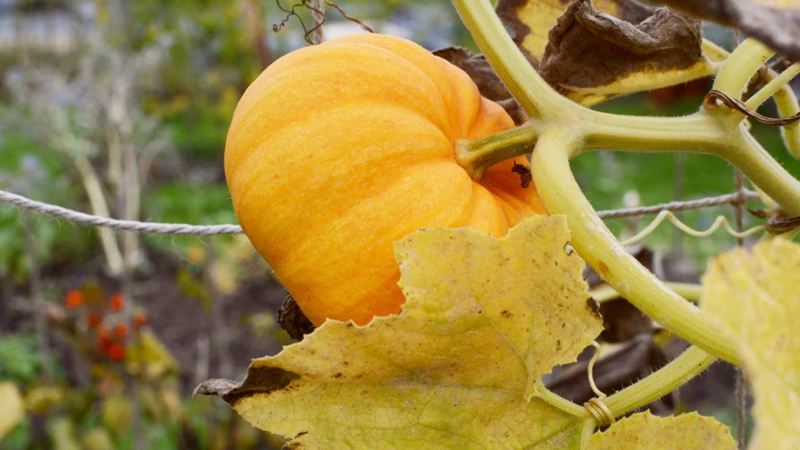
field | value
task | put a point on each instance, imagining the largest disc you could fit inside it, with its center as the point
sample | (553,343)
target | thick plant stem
(557,401)
(717,132)
(536,97)
(740,67)
(773,86)
(595,243)
(688,291)
(477,155)
(763,170)
(661,382)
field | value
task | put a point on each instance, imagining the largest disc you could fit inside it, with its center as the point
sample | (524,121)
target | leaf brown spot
(261,380)
(602,269)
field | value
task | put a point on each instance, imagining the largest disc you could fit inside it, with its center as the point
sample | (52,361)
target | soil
(179,321)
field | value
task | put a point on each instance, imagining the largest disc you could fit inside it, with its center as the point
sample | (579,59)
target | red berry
(103,344)
(102,332)
(93,320)
(73,299)
(116,302)
(121,330)
(115,352)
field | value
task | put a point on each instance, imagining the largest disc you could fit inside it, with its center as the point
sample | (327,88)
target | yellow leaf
(43,399)
(224,277)
(12,409)
(117,413)
(62,434)
(97,438)
(645,431)
(149,358)
(666,53)
(756,296)
(484,319)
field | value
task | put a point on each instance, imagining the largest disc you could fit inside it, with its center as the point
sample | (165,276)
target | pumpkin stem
(477,155)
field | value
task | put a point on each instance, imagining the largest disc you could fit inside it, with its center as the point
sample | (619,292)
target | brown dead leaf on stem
(776,23)
(489,84)
(620,47)
(485,318)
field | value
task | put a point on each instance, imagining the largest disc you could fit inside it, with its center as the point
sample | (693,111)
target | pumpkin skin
(338,150)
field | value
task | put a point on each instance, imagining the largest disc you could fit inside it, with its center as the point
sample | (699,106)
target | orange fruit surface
(338,150)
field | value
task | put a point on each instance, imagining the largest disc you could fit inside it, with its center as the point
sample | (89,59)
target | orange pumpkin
(340,149)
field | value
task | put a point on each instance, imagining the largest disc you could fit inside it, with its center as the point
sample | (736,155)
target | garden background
(120,108)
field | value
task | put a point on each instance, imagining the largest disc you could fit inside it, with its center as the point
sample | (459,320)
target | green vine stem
(689,364)
(709,131)
(740,67)
(592,239)
(477,155)
(680,370)
(773,86)
(787,104)
(688,291)
(571,129)
(557,401)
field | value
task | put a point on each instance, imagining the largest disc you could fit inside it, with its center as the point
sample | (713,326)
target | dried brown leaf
(588,48)
(484,76)
(774,22)
(614,48)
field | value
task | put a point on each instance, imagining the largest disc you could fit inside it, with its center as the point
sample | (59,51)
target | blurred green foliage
(31,170)
(19,360)
(212,56)
(186,203)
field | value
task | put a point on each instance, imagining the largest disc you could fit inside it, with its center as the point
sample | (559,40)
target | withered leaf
(292,319)
(776,23)
(597,50)
(589,49)
(484,76)
(531,20)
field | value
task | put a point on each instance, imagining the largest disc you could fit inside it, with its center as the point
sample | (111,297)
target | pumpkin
(338,150)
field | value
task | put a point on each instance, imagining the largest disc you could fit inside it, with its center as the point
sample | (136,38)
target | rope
(182,229)
(679,206)
(174,229)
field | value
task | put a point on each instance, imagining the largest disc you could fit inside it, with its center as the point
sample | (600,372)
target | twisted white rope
(174,229)
(708,202)
(182,229)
